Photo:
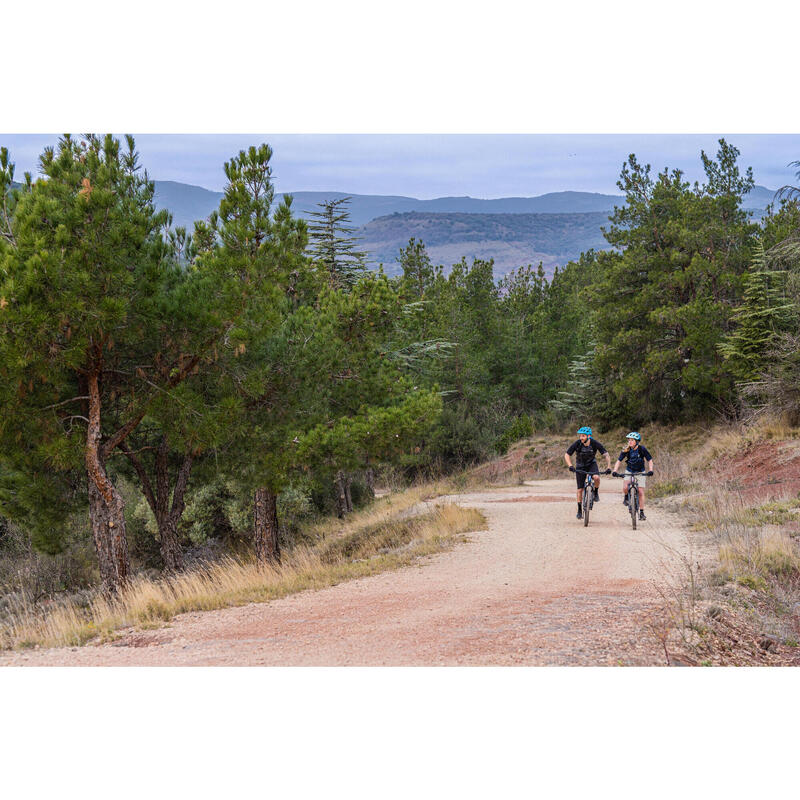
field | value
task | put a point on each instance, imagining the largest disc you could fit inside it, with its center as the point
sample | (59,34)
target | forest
(170,395)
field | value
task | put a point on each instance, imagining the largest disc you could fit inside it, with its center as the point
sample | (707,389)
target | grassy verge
(383,537)
(741,603)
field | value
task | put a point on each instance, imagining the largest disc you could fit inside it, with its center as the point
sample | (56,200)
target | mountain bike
(587,502)
(633,494)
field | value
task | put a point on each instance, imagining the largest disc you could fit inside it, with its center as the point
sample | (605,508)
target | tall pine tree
(762,316)
(332,244)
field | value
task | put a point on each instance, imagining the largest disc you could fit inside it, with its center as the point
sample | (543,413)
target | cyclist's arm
(608,459)
(649,465)
(567,459)
(617,466)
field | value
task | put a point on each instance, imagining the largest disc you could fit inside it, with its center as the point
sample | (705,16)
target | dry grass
(753,557)
(743,596)
(385,536)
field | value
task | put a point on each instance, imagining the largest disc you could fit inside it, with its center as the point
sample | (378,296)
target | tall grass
(384,537)
(743,598)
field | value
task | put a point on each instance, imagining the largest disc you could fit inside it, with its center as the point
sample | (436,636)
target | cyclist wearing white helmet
(585,461)
(639,462)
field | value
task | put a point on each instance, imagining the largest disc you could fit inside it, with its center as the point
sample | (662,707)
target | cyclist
(586,447)
(639,462)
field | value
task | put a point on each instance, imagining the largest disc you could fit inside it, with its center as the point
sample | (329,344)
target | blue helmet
(585,429)
(634,435)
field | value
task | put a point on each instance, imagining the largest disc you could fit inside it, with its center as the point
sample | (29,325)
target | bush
(461,438)
(25,572)
(520,428)
(295,507)
(218,510)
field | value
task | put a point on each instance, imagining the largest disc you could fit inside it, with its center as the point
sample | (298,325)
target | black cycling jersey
(636,459)
(586,452)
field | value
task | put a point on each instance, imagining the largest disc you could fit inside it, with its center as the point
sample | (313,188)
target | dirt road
(536,588)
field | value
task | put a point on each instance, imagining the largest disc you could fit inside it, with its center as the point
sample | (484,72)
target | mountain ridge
(188,202)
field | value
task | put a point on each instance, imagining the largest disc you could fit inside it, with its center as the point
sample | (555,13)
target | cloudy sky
(425,166)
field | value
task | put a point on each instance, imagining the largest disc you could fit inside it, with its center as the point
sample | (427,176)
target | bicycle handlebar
(586,472)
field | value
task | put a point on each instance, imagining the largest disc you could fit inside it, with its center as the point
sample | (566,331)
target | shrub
(520,428)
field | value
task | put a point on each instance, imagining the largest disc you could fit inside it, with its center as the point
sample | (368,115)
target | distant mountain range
(553,228)
(189,203)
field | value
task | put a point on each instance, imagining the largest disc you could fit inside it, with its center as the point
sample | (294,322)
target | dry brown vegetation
(740,604)
(389,534)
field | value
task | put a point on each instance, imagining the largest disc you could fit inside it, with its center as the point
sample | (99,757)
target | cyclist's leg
(625,486)
(594,469)
(642,481)
(580,477)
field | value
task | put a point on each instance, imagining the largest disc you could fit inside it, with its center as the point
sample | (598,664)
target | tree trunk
(348,497)
(265,526)
(108,530)
(167,518)
(369,479)
(170,547)
(106,506)
(341,494)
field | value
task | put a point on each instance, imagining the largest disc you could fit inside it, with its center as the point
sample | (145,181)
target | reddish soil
(766,471)
(526,460)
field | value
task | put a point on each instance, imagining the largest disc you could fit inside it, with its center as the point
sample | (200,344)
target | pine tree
(763,314)
(260,368)
(418,272)
(332,244)
(578,400)
(83,296)
(100,323)
(662,299)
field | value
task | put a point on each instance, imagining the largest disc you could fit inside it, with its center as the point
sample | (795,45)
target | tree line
(129,347)
(255,368)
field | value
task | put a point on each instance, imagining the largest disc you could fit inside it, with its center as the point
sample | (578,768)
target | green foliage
(519,429)
(332,245)
(663,297)
(578,401)
(418,272)
(88,287)
(762,316)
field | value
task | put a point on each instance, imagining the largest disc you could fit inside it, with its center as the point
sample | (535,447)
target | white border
(412,67)
(424,66)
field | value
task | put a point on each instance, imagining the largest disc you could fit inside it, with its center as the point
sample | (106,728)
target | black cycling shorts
(580,477)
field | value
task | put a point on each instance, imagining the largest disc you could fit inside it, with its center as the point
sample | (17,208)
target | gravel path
(536,588)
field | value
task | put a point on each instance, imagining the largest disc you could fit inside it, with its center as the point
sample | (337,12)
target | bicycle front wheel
(633,503)
(587,505)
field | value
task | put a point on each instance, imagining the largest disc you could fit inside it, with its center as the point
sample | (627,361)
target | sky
(436,165)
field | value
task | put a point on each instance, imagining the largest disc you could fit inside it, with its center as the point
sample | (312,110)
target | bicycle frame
(633,495)
(587,502)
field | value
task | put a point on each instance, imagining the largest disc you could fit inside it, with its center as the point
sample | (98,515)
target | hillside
(552,228)
(511,240)
(364,208)
(188,203)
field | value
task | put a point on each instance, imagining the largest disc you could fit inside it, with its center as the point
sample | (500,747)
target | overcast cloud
(427,166)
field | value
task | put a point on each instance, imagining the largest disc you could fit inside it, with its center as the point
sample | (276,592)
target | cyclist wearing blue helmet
(639,462)
(585,461)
